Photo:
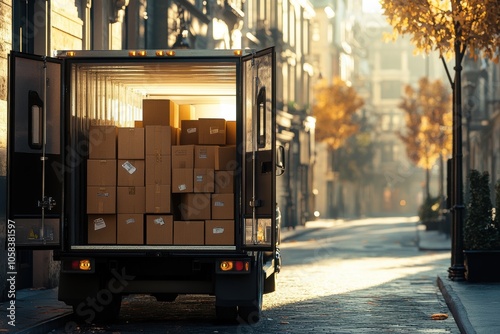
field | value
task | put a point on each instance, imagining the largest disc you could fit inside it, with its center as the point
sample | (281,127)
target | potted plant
(481,231)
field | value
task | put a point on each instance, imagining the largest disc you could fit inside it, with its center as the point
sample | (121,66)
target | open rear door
(34,174)
(259,149)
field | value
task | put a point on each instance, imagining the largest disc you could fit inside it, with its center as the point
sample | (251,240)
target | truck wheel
(226,314)
(251,314)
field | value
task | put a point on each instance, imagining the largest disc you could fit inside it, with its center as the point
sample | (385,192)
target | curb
(456,307)
(49,325)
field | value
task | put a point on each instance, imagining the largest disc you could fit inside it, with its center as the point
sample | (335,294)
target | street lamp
(457,269)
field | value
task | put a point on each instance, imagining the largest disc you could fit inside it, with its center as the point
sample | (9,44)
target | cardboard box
(101,172)
(222,206)
(102,142)
(158,198)
(130,229)
(131,199)
(101,199)
(130,172)
(186,112)
(159,139)
(204,156)
(189,132)
(138,124)
(224,182)
(183,156)
(225,158)
(195,206)
(203,180)
(189,232)
(160,112)
(212,131)
(130,143)
(159,229)
(219,232)
(101,229)
(158,169)
(230,132)
(182,180)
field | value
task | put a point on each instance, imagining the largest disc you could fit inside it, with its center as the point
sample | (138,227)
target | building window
(390,60)
(386,122)
(316,35)
(390,89)
(388,153)
(292,25)
(418,64)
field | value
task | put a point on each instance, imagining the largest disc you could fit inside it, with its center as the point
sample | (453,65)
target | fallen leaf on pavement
(439,316)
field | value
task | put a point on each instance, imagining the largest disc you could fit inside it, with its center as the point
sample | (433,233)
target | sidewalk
(36,311)
(475,307)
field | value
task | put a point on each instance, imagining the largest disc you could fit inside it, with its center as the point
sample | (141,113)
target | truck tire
(251,313)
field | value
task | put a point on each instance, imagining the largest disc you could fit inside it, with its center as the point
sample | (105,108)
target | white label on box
(159,221)
(199,178)
(219,203)
(130,221)
(202,156)
(102,194)
(218,230)
(214,131)
(129,167)
(182,187)
(191,130)
(99,223)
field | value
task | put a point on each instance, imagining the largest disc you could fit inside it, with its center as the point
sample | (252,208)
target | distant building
(352,48)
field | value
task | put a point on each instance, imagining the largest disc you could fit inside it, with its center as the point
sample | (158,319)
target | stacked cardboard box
(101,185)
(161,119)
(136,174)
(158,168)
(131,191)
(202,183)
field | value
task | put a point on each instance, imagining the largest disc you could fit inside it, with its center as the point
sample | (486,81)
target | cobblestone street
(365,276)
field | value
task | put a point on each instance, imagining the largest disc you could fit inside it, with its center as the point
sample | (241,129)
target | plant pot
(432,224)
(482,265)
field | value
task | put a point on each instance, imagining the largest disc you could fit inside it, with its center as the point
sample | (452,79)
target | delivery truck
(148,172)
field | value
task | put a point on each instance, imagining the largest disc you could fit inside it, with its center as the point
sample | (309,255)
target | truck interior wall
(101,97)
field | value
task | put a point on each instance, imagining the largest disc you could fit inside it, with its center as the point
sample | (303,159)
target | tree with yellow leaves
(334,108)
(427,135)
(453,27)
